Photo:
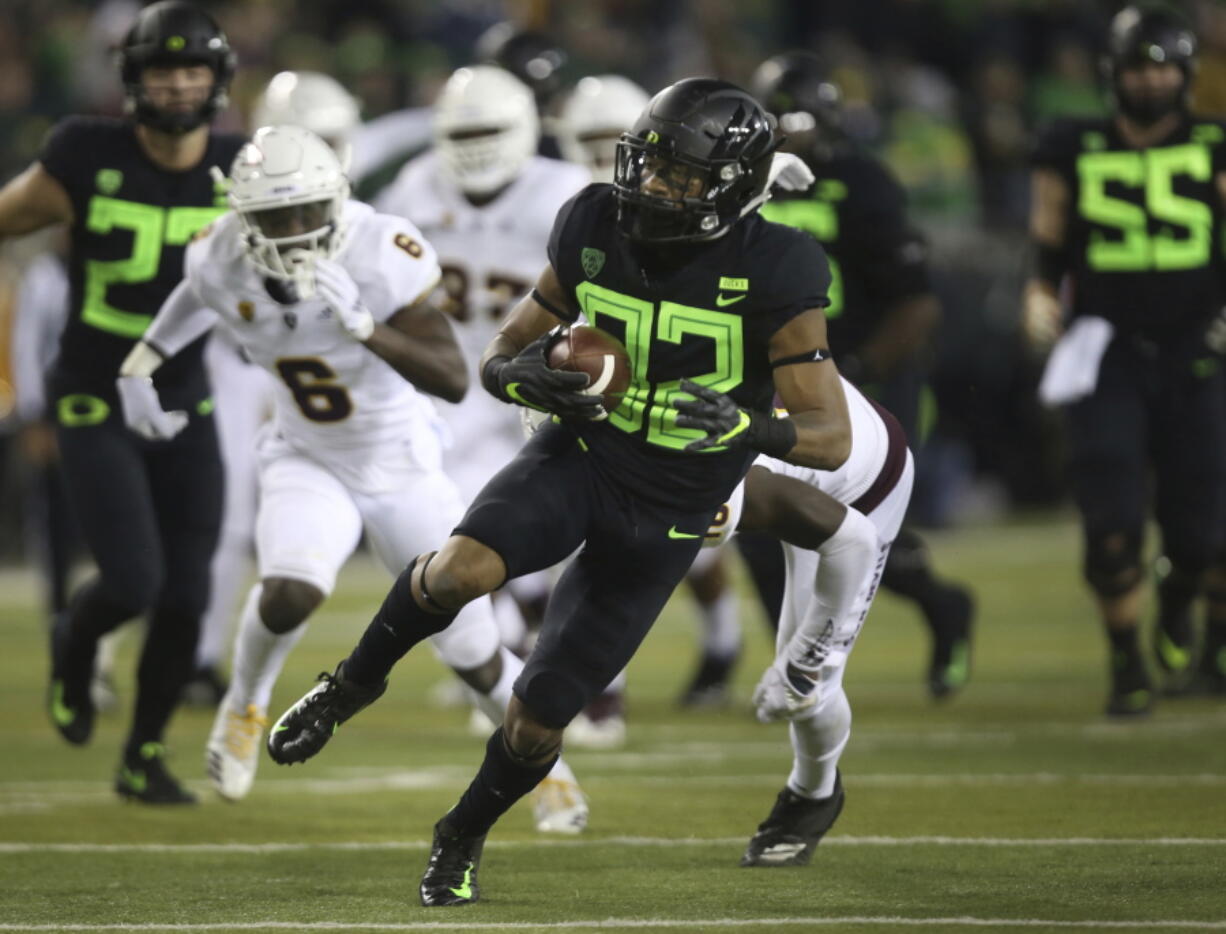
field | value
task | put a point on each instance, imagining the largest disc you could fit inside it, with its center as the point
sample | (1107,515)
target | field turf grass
(1015,805)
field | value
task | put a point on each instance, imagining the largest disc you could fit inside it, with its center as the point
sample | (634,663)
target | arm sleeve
(181,319)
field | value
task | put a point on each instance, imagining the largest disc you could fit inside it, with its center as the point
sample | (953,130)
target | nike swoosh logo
(280,729)
(722,300)
(465,890)
(674,534)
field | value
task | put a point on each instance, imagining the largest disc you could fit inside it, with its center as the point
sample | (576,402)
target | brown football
(600,355)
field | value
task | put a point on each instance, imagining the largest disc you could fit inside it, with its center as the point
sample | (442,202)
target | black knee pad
(1113,562)
(553,697)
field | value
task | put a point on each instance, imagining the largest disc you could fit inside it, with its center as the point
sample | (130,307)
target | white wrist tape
(142,360)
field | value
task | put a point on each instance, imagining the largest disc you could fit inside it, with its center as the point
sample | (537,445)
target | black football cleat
(710,685)
(144,778)
(793,828)
(306,727)
(451,874)
(69,702)
(949,667)
(1132,693)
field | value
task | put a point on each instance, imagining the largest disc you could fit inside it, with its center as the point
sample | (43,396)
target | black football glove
(528,379)
(728,425)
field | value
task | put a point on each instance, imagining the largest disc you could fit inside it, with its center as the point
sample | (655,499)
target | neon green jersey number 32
(151,227)
(670,323)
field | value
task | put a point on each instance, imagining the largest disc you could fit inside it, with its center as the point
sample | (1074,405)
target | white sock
(494,704)
(511,628)
(229,573)
(817,744)
(259,655)
(721,626)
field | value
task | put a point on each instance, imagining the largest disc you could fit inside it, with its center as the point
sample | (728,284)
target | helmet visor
(663,178)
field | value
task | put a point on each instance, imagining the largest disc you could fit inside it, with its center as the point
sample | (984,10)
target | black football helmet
(796,88)
(695,162)
(1144,33)
(531,56)
(170,33)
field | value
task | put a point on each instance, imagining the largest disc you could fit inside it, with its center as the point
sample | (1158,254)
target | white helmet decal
(485,128)
(289,191)
(595,114)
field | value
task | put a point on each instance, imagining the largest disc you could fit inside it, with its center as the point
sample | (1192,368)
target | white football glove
(143,412)
(777,698)
(336,288)
(789,172)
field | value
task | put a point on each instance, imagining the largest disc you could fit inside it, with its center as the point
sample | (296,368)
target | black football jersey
(704,312)
(1144,226)
(857,211)
(133,221)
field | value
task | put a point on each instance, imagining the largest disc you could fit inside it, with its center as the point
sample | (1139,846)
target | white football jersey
(335,400)
(490,257)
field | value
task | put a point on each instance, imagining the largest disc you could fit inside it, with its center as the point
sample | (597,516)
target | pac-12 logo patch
(592,260)
(108,180)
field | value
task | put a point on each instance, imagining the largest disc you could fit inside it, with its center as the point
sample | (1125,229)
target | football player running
(132,192)
(882,311)
(591,121)
(486,202)
(837,527)
(1129,209)
(329,297)
(675,261)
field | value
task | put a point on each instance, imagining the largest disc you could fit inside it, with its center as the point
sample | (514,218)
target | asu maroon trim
(891,470)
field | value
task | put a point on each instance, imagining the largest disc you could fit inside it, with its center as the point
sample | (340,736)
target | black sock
(167,661)
(398,626)
(1176,591)
(763,556)
(908,573)
(1124,646)
(501,781)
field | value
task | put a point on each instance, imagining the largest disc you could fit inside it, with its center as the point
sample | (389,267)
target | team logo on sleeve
(108,180)
(592,260)
(246,311)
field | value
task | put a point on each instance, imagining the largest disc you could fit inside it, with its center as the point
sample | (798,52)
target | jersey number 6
(311,381)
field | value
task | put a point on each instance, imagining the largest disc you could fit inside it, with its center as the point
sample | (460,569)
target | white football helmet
(312,100)
(289,191)
(485,128)
(595,115)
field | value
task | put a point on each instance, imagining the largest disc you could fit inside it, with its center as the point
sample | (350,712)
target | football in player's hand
(600,355)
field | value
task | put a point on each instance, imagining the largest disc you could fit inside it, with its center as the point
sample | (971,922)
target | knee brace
(1113,562)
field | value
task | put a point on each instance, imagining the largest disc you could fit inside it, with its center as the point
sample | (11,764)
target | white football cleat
(233,750)
(606,733)
(558,804)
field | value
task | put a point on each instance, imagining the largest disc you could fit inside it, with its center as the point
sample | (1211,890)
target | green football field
(1016,805)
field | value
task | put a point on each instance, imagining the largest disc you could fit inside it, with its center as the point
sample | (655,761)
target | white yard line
(15,848)
(613,924)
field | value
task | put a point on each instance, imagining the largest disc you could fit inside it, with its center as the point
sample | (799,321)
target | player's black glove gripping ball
(728,425)
(527,379)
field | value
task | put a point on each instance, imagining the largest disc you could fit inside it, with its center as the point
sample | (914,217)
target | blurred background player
(837,527)
(486,202)
(882,310)
(1129,210)
(538,61)
(134,192)
(330,299)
